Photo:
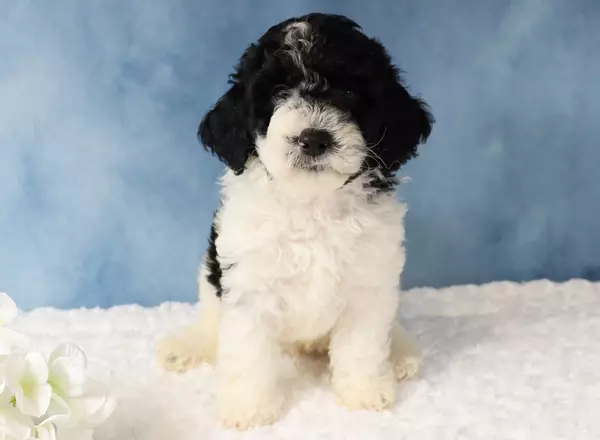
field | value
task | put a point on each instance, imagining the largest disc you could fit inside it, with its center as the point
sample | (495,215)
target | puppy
(306,249)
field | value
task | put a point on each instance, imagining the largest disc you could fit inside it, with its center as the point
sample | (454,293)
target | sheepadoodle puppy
(306,249)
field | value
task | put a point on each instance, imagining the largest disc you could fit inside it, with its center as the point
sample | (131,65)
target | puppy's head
(316,97)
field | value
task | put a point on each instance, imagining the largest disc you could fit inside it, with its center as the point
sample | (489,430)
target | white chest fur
(301,258)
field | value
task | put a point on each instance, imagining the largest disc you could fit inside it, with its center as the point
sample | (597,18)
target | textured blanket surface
(502,361)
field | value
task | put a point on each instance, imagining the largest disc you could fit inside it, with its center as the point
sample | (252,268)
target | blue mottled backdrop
(106,197)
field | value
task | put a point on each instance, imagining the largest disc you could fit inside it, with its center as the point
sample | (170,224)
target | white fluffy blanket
(502,361)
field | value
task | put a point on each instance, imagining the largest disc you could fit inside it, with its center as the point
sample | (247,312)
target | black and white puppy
(306,250)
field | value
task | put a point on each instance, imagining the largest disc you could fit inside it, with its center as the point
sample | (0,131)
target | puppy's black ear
(406,124)
(226,130)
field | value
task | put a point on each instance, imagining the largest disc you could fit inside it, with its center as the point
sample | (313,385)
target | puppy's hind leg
(190,346)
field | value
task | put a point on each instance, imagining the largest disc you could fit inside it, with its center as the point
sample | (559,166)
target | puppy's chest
(279,246)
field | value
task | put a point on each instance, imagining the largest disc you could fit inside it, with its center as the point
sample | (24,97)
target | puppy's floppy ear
(226,130)
(407,123)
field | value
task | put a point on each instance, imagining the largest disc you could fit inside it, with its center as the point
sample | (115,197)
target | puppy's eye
(348,94)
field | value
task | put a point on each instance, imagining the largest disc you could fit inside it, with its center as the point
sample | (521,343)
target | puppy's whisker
(377,158)
(372,154)
(380,140)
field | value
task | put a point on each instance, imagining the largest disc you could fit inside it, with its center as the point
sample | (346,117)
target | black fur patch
(382,184)
(212,262)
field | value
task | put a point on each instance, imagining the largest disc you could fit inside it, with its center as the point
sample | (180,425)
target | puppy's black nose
(315,142)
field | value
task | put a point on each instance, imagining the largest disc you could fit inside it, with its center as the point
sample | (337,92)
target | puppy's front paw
(369,393)
(243,411)
(405,354)
(407,366)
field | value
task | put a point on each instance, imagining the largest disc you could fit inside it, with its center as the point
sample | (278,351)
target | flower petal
(14,366)
(11,340)
(68,366)
(59,411)
(93,407)
(46,431)
(103,412)
(14,424)
(36,401)
(69,351)
(2,375)
(99,404)
(8,309)
(36,368)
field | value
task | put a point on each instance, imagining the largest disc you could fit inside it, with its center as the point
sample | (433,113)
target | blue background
(106,197)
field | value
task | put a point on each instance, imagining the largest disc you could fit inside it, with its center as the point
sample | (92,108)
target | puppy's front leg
(362,374)
(248,366)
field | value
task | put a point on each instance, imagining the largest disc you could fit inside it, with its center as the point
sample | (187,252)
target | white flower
(27,378)
(57,395)
(77,401)
(88,410)
(13,424)
(95,406)
(9,339)
(67,370)
(45,431)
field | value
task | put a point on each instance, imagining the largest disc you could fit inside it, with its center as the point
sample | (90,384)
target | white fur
(297,39)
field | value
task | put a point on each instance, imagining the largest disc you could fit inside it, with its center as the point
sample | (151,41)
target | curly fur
(306,252)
